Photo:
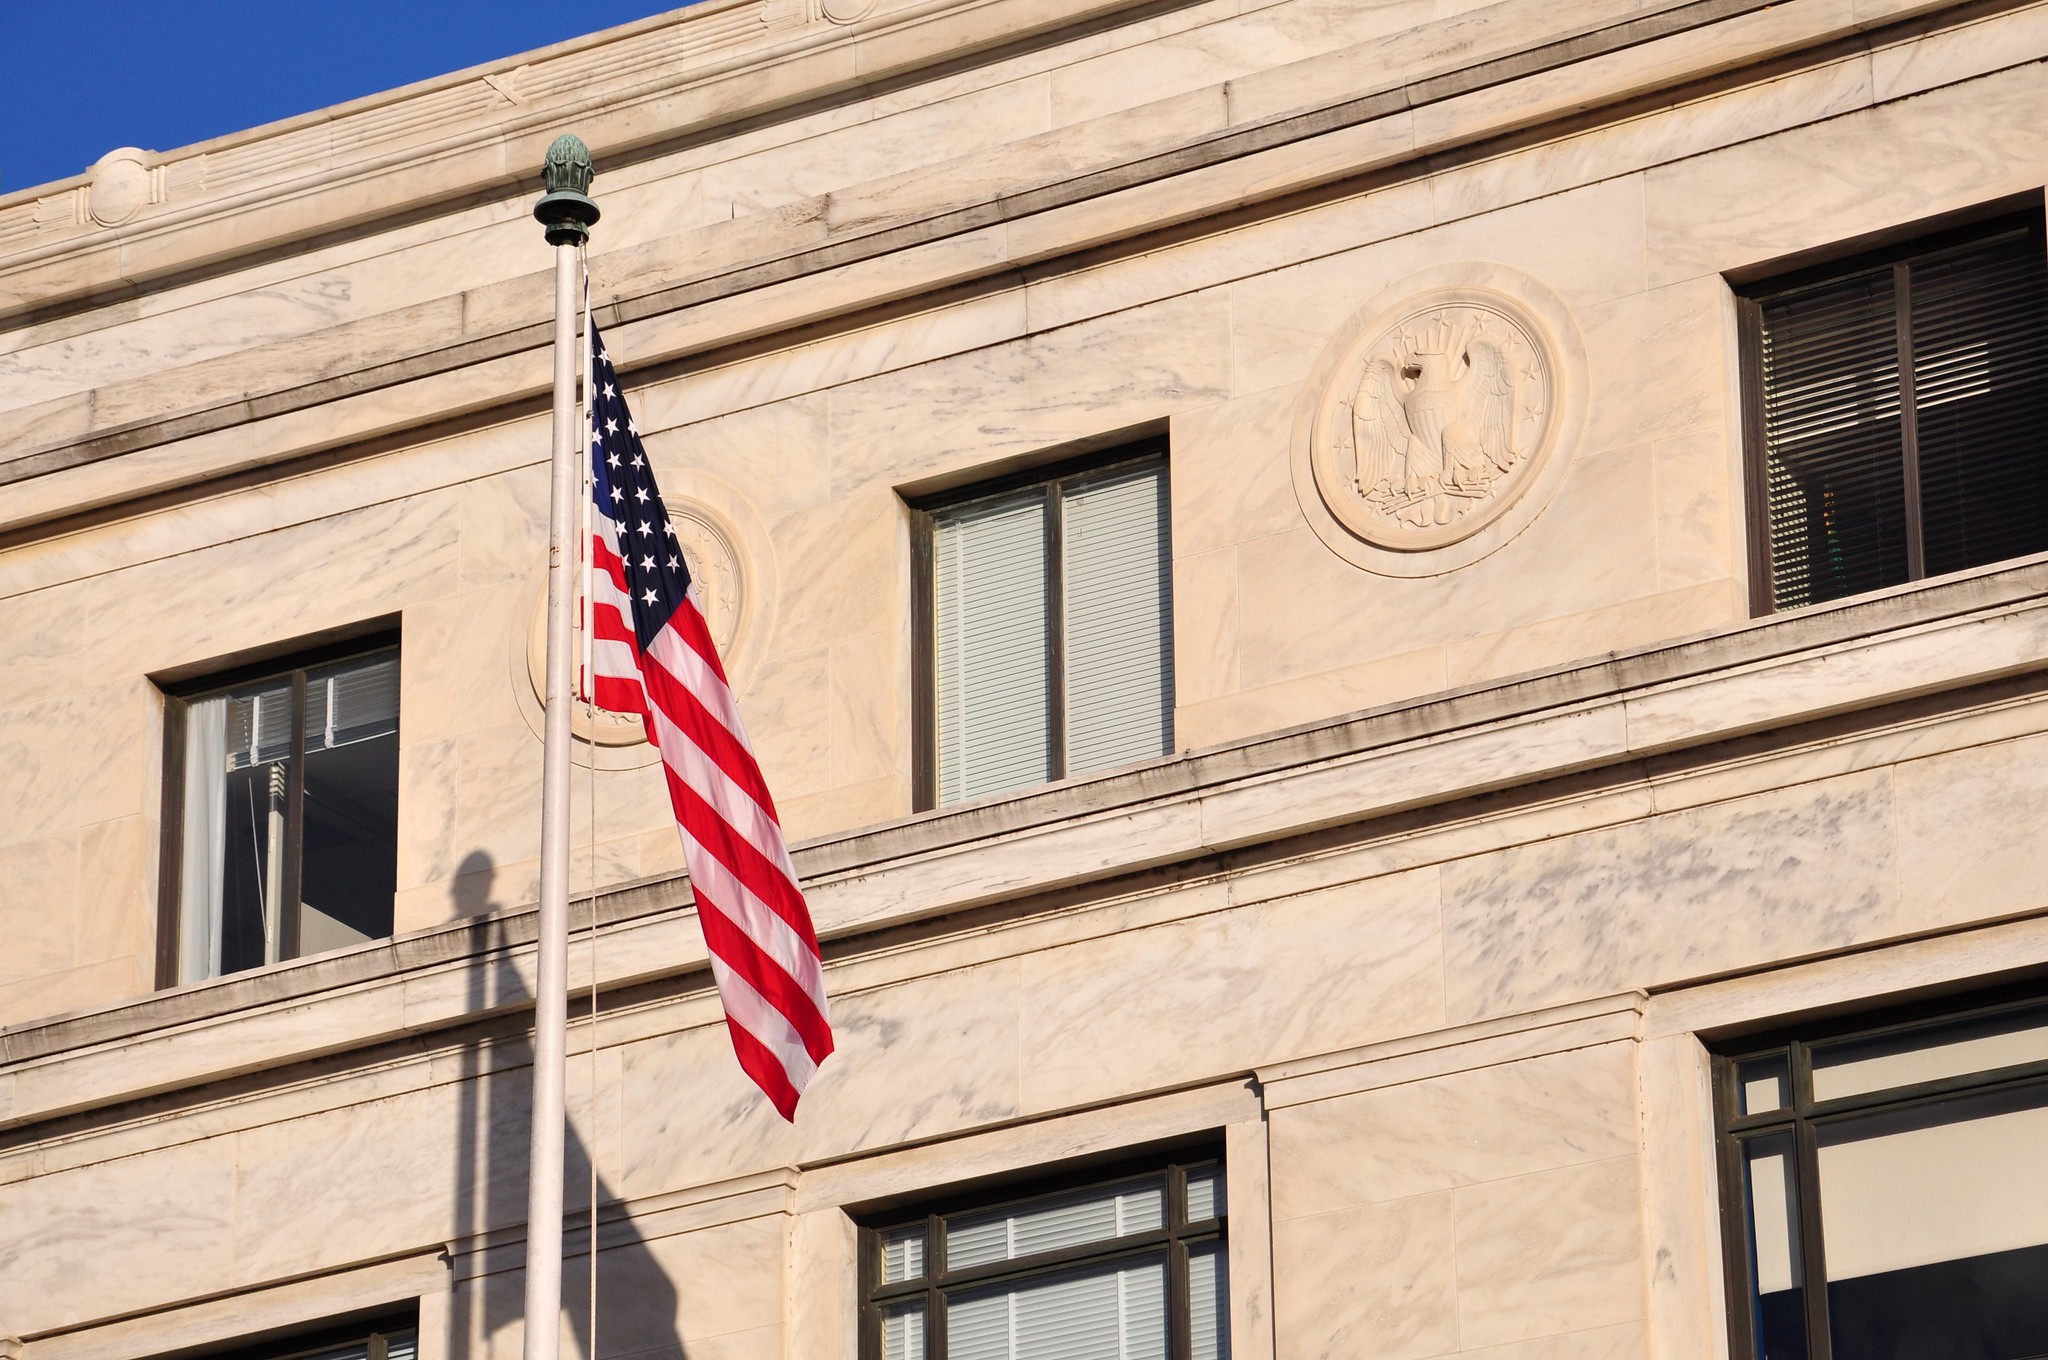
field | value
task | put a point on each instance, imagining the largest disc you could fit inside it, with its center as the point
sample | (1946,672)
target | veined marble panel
(1961,858)
(1087,379)
(153,1227)
(1379,1280)
(1685,894)
(1490,1123)
(1231,990)
(1230,472)
(1881,167)
(1270,36)
(1550,1252)
(1303,609)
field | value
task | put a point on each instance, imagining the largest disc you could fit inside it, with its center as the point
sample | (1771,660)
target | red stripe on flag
(776,986)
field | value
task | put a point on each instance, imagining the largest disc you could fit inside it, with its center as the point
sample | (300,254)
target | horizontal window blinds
(1833,445)
(991,665)
(1208,1302)
(1119,620)
(903,1331)
(1113,1313)
(1903,410)
(1069,1221)
(1980,369)
(353,702)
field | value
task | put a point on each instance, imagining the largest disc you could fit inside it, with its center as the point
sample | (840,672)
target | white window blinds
(978,1239)
(1052,631)
(989,603)
(1114,1313)
(1119,643)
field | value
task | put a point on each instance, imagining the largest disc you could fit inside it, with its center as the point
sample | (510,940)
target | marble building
(1405,644)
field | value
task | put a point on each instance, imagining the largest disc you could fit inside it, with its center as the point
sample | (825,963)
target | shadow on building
(636,1312)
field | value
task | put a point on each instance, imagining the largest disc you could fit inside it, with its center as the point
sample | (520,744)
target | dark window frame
(178,695)
(1176,1237)
(1802,1116)
(924,791)
(1895,251)
(371,1329)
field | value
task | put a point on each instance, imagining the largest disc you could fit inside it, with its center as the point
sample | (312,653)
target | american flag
(651,654)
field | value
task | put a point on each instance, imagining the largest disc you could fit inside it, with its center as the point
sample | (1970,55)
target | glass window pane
(1113,1312)
(1047,1225)
(992,643)
(255,806)
(1208,1302)
(1764,1084)
(353,701)
(1980,355)
(1205,1193)
(903,1331)
(1834,450)
(349,856)
(1935,1224)
(1115,588)
(1778,1305)
(1856,1066)
(903,1254)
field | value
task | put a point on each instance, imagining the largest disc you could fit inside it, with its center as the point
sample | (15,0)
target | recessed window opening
(1898,414)
(1046,628)
(284,801)
(1129,1268)
(1884,1192)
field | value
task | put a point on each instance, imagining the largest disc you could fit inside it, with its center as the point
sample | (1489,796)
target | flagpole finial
(567,210)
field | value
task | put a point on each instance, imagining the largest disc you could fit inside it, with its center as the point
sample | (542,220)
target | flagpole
(567,213)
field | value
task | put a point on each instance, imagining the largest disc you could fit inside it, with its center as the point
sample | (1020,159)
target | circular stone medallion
(724,573)
(119,186)
(1434,426)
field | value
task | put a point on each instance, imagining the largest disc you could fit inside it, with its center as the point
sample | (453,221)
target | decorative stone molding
(732,567)
(121,184)
(1439,420)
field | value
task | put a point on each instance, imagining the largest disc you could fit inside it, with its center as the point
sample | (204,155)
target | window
(1884,1192)
(282,788)
(1896,414)
(1045,612)
(393,1338)
(1126,1268)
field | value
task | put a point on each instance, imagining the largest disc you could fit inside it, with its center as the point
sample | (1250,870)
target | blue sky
(81,77)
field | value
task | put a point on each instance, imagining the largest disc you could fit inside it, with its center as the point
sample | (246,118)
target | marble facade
(1424,920)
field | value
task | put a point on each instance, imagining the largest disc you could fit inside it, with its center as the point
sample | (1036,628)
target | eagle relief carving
(1448,406)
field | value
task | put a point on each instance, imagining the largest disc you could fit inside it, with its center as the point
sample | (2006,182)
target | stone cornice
(855,249)
(389,155)
(1606,713)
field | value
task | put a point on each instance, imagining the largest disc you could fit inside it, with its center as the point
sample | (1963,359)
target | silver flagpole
(567,212)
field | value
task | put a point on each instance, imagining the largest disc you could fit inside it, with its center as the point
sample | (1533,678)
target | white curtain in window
(1098,1314)
(201,867)
(989,603)
(1119,623)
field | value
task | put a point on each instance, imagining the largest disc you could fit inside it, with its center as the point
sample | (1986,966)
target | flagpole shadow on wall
(636,1312)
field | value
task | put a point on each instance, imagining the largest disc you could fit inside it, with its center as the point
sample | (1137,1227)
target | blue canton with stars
(622,481)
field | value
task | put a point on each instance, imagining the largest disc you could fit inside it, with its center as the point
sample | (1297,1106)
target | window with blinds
(1049,625)
(282,809)
(1896,414)
(1126,1269)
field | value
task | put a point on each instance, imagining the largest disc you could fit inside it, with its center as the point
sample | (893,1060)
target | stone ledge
(1907,642)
